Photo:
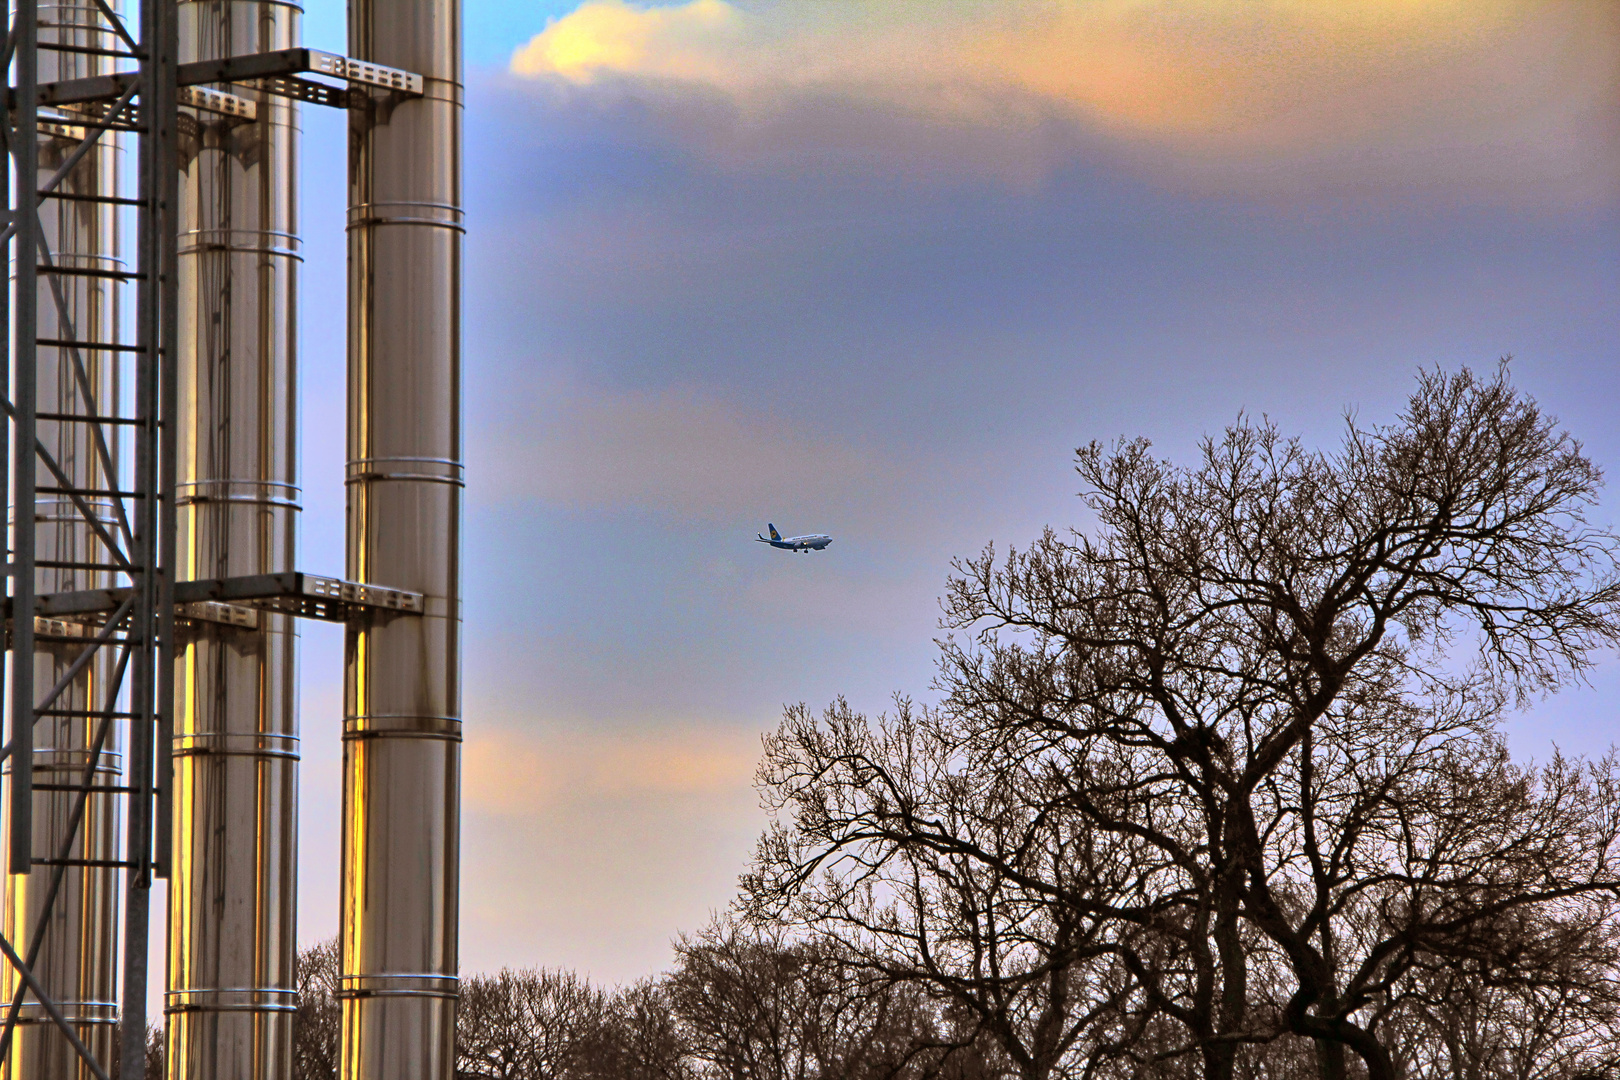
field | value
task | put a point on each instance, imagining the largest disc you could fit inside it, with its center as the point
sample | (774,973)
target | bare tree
(533,1024)
(759,1006)
(641,1038)
(320,1014)
(1256,629)
(933,860)
(1235,754)
(1558,1019)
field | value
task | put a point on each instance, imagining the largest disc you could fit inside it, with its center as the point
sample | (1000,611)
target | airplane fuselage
(801,543)
(809,542)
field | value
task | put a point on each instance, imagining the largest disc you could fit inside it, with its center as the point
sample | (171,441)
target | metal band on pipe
(195,241)
(440,215)
(75,1012)
(294,8)
(231,999)
(371,223)
(66,511)
(449,471)
(245,482)
(397,726)
(74,760)
(445,90)
(236,744)
(250,492)
(429,986)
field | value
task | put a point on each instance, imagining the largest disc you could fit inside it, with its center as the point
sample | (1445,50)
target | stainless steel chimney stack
(402,707)
(233,888)
(75,959)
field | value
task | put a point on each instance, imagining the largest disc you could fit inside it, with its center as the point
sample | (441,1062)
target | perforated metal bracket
(364,72)
(61,628)
(371,596)
(273,72)
(217,101)
(210,611)
(316,93)
(306,596)
(58,630)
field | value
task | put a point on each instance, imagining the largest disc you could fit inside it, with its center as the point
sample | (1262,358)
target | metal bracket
(364,72)
(217,101)
(271,70)
(316,93)
(58,630)
(210,611)
(221,600)
(95,112)
(61,131)
(306,596)
(61,628)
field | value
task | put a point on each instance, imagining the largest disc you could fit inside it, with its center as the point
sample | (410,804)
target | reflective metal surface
(76,958)
(233,887)
(402,710)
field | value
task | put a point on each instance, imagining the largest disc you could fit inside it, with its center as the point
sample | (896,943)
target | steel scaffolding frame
(139,616)
(141,626)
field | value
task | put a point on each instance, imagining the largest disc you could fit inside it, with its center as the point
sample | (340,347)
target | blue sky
(851,269)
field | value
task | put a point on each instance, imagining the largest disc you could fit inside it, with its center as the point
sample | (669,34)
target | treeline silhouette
(746,1005)
(1214,790)
(735,1005)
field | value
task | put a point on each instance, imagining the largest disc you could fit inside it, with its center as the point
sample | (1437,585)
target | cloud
(1380,91)
(521,773)
(675,451)
(611,36)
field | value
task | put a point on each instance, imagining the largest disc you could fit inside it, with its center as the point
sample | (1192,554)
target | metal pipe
(76,959)
(232,893)
(402,693)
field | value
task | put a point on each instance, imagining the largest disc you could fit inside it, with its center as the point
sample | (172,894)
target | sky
(876,269)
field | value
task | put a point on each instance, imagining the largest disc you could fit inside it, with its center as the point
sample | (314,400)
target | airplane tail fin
(774,534)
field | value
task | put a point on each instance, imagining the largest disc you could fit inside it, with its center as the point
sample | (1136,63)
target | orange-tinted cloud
(685,42)
(1407,87)
(591,850)
(514,773)
(1199,67)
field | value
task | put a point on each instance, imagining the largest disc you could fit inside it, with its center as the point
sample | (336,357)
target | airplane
(815,542)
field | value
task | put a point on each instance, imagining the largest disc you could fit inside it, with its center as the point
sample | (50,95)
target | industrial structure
(151,725)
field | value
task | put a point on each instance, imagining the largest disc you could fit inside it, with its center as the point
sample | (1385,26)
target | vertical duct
(231,990)
(402,693)
(76,954)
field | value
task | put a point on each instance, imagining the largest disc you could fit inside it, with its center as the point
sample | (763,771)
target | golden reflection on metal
(402,697)
(231,989)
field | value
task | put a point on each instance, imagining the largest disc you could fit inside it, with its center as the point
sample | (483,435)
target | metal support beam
(249,68)
(25,388)
(307,596)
